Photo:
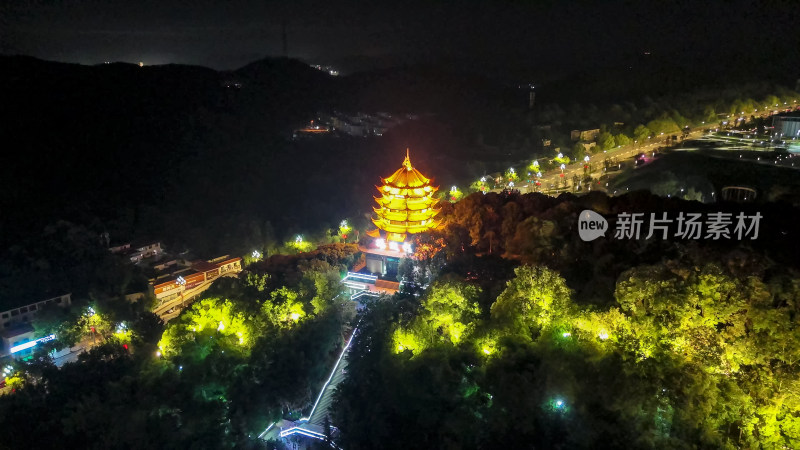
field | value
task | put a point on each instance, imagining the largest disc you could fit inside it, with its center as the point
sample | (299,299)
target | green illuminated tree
(664,124)
(535,298)
(452,308)
(641,133)
(605,141)
(622,140)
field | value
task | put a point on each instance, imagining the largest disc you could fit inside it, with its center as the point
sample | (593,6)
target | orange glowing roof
(406,176)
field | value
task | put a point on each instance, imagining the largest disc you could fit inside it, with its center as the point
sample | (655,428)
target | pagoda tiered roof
(406,203)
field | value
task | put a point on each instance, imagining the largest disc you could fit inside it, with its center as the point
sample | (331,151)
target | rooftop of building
(16,330)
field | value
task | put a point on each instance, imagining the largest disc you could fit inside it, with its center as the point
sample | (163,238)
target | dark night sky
(492,36)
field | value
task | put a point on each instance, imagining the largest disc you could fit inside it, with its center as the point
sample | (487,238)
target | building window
(14,313)
(5,315)
(32,307)
(24,309)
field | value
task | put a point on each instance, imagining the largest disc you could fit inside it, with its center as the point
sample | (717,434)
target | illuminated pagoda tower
(406,206)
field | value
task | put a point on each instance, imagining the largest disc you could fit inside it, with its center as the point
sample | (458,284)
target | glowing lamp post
(344,230)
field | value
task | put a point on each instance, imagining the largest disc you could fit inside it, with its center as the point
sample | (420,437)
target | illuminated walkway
(313,425)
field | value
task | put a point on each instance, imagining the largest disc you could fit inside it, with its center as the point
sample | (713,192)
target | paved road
(621,153)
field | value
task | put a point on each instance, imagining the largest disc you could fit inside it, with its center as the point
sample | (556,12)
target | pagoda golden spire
(406,204)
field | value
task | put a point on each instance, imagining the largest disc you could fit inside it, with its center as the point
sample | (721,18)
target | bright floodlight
(298,239)
(393,246)
(560,403)
(380,243)
(221,326)
(407,247)
(586,158)
(563,167)
(256,254)
(560,155)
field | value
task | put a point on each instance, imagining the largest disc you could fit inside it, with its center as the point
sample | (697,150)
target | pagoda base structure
(405,206)
(381,261)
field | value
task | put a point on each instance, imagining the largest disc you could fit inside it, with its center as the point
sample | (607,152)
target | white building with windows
(786,127)
(25,314)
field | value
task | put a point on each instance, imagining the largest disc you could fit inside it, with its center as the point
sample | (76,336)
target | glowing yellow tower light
(406,204)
